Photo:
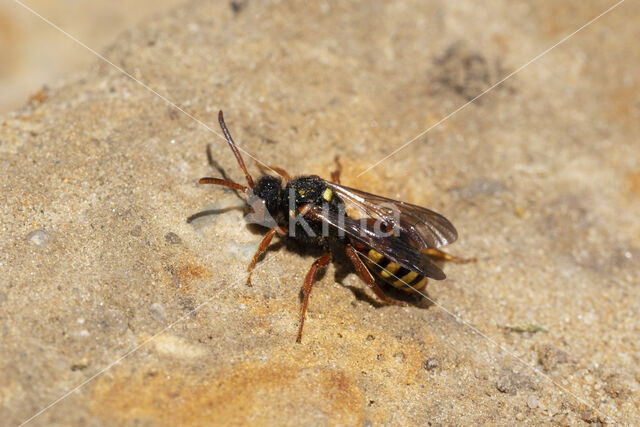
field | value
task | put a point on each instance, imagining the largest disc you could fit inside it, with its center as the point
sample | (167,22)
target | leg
(223,182)
(263,247)
(437,253)
(335,175)
(308,284)
(366,276)
(283,173)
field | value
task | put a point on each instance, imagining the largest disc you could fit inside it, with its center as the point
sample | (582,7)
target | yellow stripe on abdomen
(421,284)
(405,280)
(375,256)
(389,270)
(394,274)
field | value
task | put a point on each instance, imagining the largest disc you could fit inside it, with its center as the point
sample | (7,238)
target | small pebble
(532,402)
(172,238)
(400,357)
(519,416)
(431,363)
(80,365)
(39,238)
(137,231)
(158,313)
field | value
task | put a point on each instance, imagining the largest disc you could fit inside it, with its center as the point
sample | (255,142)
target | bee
(394,239)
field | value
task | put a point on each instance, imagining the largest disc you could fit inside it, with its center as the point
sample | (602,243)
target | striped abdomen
(393,273)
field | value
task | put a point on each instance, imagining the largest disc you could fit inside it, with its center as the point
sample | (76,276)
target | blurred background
(33,53)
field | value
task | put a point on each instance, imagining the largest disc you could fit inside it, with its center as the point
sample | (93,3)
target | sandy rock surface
(33,53)
(107,284)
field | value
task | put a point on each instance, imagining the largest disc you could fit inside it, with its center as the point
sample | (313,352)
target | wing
(395,247)
(425,228)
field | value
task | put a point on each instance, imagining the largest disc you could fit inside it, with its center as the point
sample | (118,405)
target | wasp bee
(393,239)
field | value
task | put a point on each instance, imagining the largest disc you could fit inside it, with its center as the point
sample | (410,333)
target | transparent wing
(425,228)
(395,247)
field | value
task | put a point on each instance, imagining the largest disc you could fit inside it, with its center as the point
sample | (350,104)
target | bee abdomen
(394,274)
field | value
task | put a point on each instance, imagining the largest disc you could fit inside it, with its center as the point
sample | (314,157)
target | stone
(540,178)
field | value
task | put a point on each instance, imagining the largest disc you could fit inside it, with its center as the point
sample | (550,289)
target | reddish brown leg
(366,276)
(308,284)
(283,173)
(223,182)
(335,175)
(264,244)
(437,253)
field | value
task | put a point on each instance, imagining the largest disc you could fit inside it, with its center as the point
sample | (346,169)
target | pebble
(137,231)
(532,402)
(158,313)
(431,363)
(172,238)
(400,357)
(39,238)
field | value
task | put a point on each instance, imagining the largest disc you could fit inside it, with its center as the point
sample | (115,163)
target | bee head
(268,189)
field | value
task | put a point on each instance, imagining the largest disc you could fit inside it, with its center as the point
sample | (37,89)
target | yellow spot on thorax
(327,195)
